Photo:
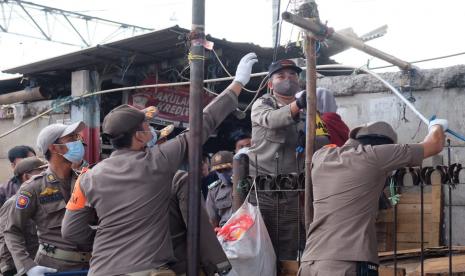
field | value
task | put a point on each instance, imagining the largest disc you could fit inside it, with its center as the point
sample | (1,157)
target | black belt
(367,269)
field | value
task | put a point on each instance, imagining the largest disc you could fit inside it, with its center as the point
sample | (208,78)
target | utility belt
(367,269)
(64,255)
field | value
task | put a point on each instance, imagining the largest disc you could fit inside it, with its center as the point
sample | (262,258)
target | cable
(421,60)
(229,74)
(261,86)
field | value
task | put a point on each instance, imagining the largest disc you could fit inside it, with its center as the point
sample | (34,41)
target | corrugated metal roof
(147,48)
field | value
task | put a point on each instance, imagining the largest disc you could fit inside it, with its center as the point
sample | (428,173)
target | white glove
(442,122)
(39,270)
(299,94)
(244,69)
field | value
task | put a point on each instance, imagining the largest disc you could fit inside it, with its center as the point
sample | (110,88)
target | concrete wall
(26,135)
(439,92)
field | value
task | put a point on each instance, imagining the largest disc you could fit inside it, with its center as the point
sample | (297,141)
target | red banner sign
(172,102)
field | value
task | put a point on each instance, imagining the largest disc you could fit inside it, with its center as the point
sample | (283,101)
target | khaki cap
(29,164)
(121,120)
(51,133)
(374,129)
(222,160)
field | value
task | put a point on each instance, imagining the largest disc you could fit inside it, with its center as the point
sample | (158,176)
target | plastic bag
(246,242)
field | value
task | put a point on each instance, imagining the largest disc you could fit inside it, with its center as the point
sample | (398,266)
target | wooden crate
(408,219)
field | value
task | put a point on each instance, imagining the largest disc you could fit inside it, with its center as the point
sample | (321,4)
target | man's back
(129,193)
(347,182)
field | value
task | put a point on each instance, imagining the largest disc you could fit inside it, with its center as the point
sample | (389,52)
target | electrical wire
(421,60)
(229,74)
(261,86)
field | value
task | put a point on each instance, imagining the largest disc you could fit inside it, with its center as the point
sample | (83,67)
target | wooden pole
(319,29)
(310,127)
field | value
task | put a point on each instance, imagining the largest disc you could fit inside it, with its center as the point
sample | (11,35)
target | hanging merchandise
(246,242)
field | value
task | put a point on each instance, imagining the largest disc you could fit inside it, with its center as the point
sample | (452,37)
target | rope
(192,57)
(394,198)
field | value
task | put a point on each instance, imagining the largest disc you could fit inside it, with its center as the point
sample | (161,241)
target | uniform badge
(51,178)
(49,191)
(22,201)
(50,194)
(218,158)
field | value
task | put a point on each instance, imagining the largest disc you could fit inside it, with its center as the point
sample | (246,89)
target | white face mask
(153,141)
(286,87)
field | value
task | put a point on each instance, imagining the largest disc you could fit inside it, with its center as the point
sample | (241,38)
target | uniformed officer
(43,199)
(347,182)
(278,137)
(15,155)
(212,257)
(277,123)
(219,198)
(24,170)
(130,191)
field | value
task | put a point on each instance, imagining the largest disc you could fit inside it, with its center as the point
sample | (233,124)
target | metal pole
(450,208)
(319,29)
(197,53)
(240,173)
(422,226)
(310,127)
(395,236)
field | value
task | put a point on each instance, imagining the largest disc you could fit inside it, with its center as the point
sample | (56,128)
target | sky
(417,29)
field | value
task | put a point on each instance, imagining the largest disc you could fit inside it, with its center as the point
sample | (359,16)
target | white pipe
(387,84)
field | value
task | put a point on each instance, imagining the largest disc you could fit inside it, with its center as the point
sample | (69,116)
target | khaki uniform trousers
(60,265)
(162,271)
(328,268)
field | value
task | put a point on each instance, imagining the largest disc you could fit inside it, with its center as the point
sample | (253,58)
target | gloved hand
(442,122)
(150,112)
(39,270)
(244,69)
(301,99)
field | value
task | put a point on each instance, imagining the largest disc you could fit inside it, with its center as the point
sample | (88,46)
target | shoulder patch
(22,201)
(214,184)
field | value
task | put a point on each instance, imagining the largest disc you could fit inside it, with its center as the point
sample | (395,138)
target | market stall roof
(151,47)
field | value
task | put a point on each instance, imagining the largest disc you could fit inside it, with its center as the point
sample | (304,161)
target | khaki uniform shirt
(347,182)
(130,192)
(41,199)
(6,260)
(219,201)
(8,190)
(275,136)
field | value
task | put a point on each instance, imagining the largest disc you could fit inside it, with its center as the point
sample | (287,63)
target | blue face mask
(75,152)
(154,139)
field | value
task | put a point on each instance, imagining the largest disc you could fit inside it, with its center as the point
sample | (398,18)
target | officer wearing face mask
(43,200)
(277,127)
(278,121)
(219,198)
